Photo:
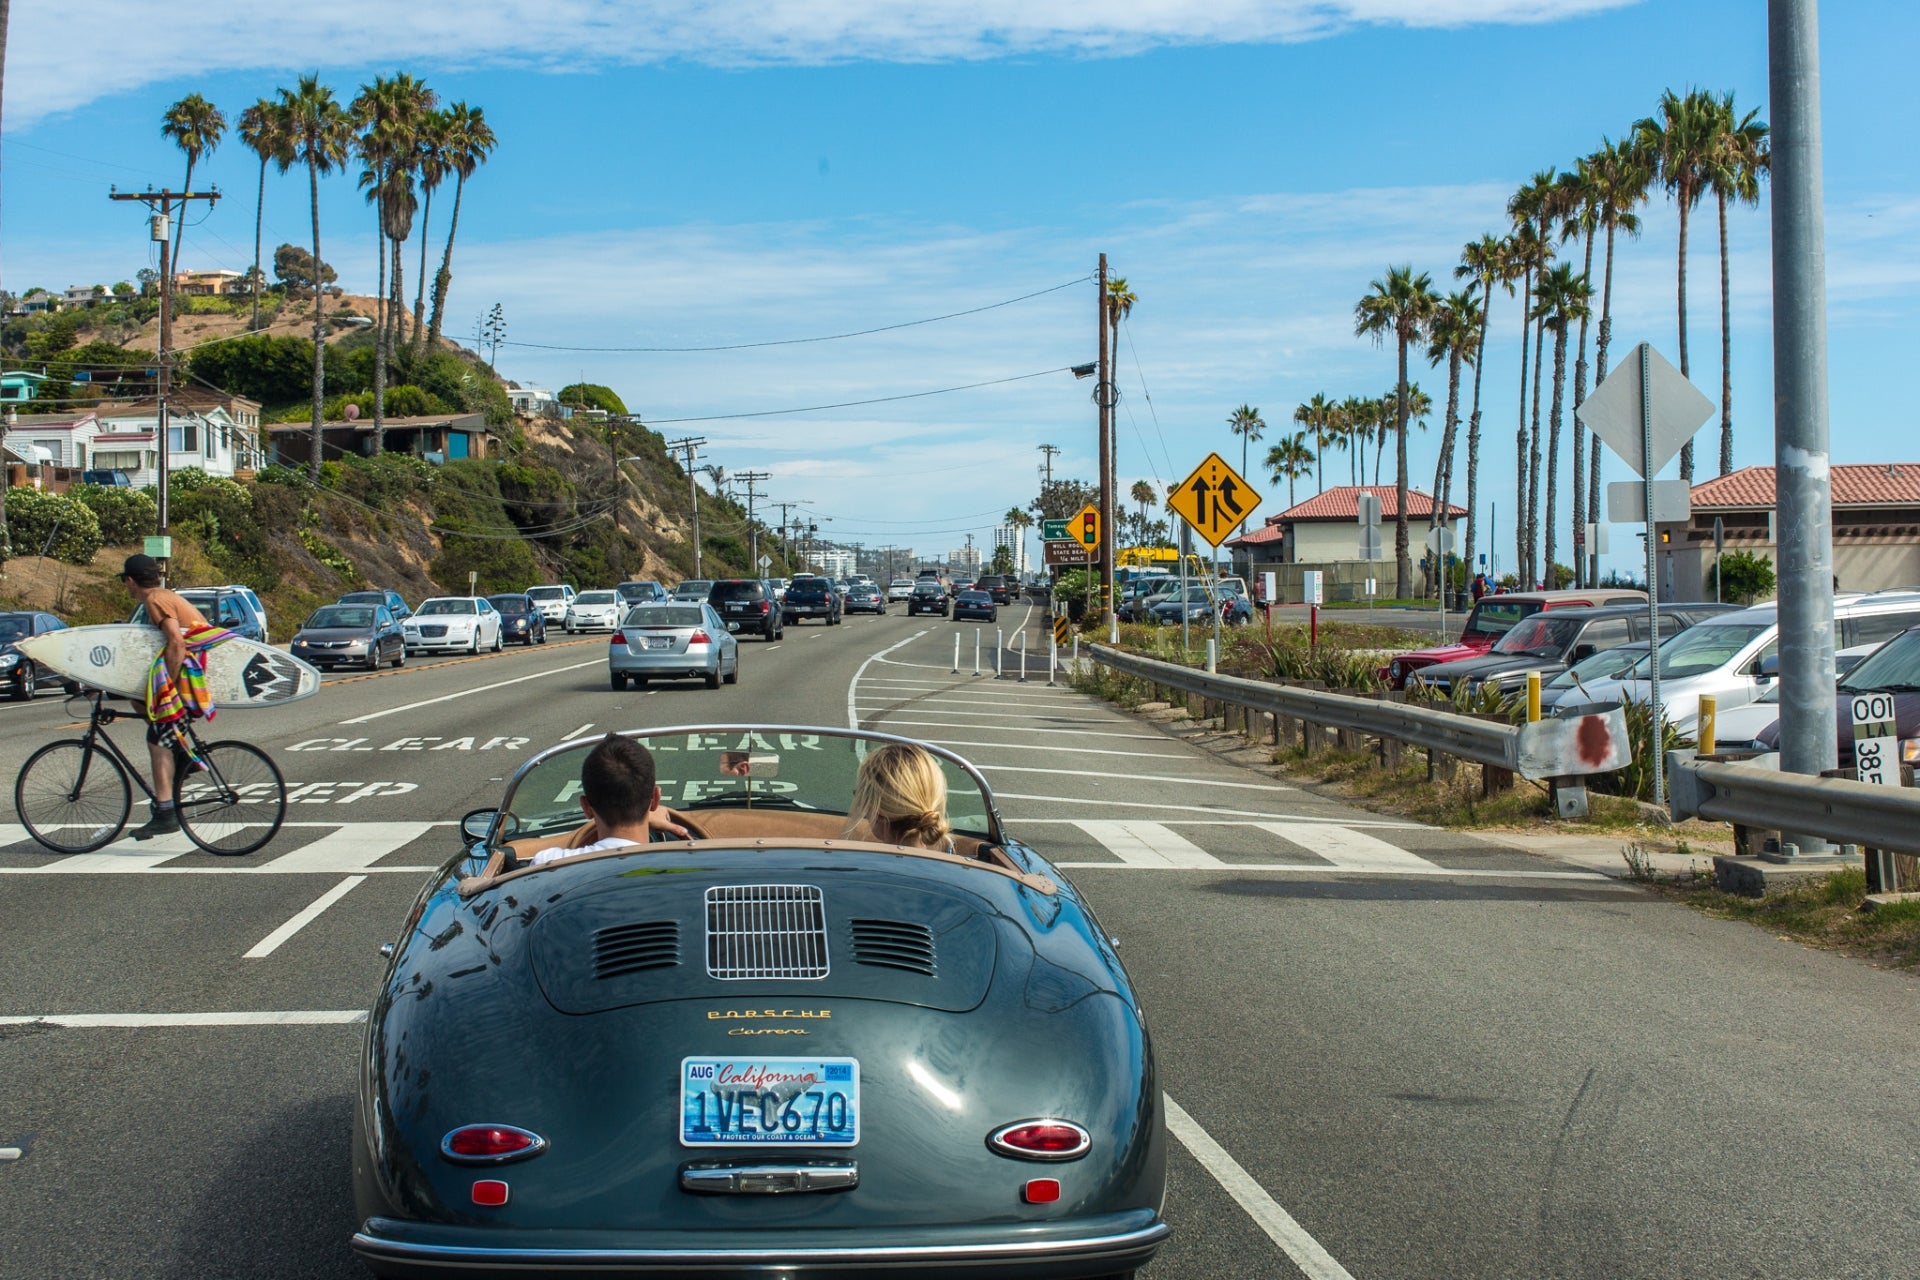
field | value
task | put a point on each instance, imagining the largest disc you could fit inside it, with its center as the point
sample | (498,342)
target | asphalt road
(1393,1051)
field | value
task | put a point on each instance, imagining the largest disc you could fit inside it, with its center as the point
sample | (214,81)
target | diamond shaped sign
(1676,407)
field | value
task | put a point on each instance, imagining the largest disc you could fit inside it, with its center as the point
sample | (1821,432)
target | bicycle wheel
(72,797)
(237,803)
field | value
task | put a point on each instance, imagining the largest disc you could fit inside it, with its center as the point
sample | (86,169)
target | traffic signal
(1089,528)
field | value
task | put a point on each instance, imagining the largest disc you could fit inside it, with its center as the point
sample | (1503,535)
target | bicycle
(73,795)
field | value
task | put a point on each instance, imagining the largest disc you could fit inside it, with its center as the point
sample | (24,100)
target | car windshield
(928,589)
(337,615)
(725,591)
(1541,635)
(664,615)
(15,628)
(363,597)
(1497,617)
(596,597)
(1608,664)
(975,597)
(441,608)
(510,604)
(546,593)
(637,590)
(697,587)
(1892,668)
(737,767)
(1698,650)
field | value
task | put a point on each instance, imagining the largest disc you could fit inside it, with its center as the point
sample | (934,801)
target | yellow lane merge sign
(1086,527)
(1214,500)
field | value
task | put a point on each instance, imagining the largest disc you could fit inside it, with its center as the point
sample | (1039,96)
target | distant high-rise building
(1006,535)
(836,563)
(964,562)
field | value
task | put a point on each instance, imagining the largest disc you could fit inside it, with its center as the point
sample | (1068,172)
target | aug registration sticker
(728,1102)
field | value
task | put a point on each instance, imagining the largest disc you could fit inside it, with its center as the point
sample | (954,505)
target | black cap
(141,568)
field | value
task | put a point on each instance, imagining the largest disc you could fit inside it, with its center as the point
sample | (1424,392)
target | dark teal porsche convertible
(773,1050)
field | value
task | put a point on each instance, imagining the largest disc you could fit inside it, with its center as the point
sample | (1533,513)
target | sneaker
(160,824)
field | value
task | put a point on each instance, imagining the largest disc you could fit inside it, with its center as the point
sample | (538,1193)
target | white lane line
(939,703)
(268,870)
(1148,844)
(351,849)
(1345,848)
(577,732)
(271,943)
(1052,716)
(1051,749)
(266,1018)
(1226,822)
(770,648)
(1078,733)
(124,855)
(1106,802)
(1142,777)
(1307,1254)
(853,685)
(449,697)
(1431,871)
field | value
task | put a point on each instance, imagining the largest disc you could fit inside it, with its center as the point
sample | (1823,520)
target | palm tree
(1401,304)
(322,132)
(1019,521)
(1454,336)
(434,129)
(1564,297)
(1526,252)
(468,143)
(380,111)
(1143,495)
(1483,261)
(1621,174)
(262,127)
(1355,428)
(196,127)
(1246,423)
(1120,300)
(1740,155)
(1583,219)
(1321,417)
(1680,140)
(1289,459)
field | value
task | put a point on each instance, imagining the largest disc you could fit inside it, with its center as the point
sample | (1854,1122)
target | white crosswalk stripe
(344,848)
(351,848)
(1345,847)
(1148,844)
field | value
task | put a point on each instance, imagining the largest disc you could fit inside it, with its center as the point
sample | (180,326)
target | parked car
(747,604)
(899,589)
(224,607)
(975,604)
(779,587)
(396,604)
(673,640)
(525,1150)
(866,597)
(1551,642)
(1200,602)
(20,673)
(1142,594)
(694,589)
(593,611)
(452,624)
(1892,668)
(640,591)
(520,619)
(1743,727)
(1492,617)
(552,600)
(108,478)
(351,635)
(928,597)
(812,597)
(1571,685)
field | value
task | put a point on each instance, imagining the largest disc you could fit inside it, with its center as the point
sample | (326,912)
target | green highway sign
(1055,530)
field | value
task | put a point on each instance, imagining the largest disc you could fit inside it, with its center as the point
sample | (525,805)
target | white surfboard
(116,658)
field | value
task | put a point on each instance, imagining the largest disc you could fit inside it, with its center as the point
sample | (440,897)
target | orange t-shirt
(164,604)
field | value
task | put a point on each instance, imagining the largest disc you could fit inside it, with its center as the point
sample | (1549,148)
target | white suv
(552,601)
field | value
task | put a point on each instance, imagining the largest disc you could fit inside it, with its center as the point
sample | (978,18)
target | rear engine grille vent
(766,931)
(894,944)
(630,948)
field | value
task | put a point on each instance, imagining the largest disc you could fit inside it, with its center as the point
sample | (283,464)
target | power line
(794,342)
(855,404)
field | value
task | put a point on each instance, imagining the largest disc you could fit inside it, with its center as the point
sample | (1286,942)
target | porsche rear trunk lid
(845,935)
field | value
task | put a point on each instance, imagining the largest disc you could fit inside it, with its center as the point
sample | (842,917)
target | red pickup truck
(1491,618)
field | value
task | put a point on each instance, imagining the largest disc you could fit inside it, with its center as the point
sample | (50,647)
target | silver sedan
(673,640)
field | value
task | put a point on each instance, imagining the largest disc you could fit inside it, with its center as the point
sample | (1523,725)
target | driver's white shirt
(545,856)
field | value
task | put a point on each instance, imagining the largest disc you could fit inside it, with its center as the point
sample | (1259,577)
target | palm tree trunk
(1473,430)
(420,280)
(1726,349)
(1402,561)
(1533,461)
(1379,451)
(1442,471)
(397,308)
(1686,450)
(1553,443)
(1600,376)
(319,324)
(1520,442)
(259,213)
(379,341)
(445,275)
(1579,431)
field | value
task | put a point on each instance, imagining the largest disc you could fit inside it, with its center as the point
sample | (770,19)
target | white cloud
(49,70)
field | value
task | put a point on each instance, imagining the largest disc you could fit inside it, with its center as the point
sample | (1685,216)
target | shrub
(233,535)
(125,515)
(51,524)
(187,479)
(285,477)
(1747,577)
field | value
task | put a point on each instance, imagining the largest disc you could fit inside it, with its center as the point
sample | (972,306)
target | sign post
(1310,591)
(1440,543)
(1213,500)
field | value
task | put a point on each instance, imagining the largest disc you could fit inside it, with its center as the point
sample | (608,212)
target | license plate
(726,1102)
(659,642)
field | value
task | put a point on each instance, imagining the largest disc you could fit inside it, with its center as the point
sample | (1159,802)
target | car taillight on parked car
(1041,1140)
(491,1144)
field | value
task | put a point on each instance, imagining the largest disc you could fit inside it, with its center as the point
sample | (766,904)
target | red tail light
(618,637)
(699,637)
(1041,1140)
(765,607)
(491,1144)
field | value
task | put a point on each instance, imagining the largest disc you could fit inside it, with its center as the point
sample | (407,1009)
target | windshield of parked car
(1698,650)
(1496,617)
(596,597)
(664,615)
(1608,664)
(1542,635)
(812,772)
(439,608)
(336,615)
(511,603)
(15,628)
(546,593)
(1892,668)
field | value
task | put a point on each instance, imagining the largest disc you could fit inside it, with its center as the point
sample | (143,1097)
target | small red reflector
(488,1141)
(491,1191)
(617,638)
(1037,1191)
(699,637)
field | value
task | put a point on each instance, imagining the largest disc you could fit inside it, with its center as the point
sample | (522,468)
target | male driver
(176,619)
(621,799)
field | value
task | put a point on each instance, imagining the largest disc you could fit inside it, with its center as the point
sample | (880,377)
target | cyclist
(177,620)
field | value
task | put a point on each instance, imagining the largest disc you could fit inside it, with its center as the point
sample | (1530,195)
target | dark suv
(999,587)
(747,604)
(928,597)
(812,598)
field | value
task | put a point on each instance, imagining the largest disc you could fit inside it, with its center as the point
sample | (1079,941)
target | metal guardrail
(1580,745)
(1843,811)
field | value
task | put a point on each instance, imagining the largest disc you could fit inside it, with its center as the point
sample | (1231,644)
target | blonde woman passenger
(901,795)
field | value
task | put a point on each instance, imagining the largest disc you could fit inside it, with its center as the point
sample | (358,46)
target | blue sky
(693,174)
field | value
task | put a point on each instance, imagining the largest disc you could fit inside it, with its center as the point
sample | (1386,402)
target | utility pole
(750,479)
(1804,503)
(690,445)
(785,553)
(1047,452)
(161,204)
(1103,398)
